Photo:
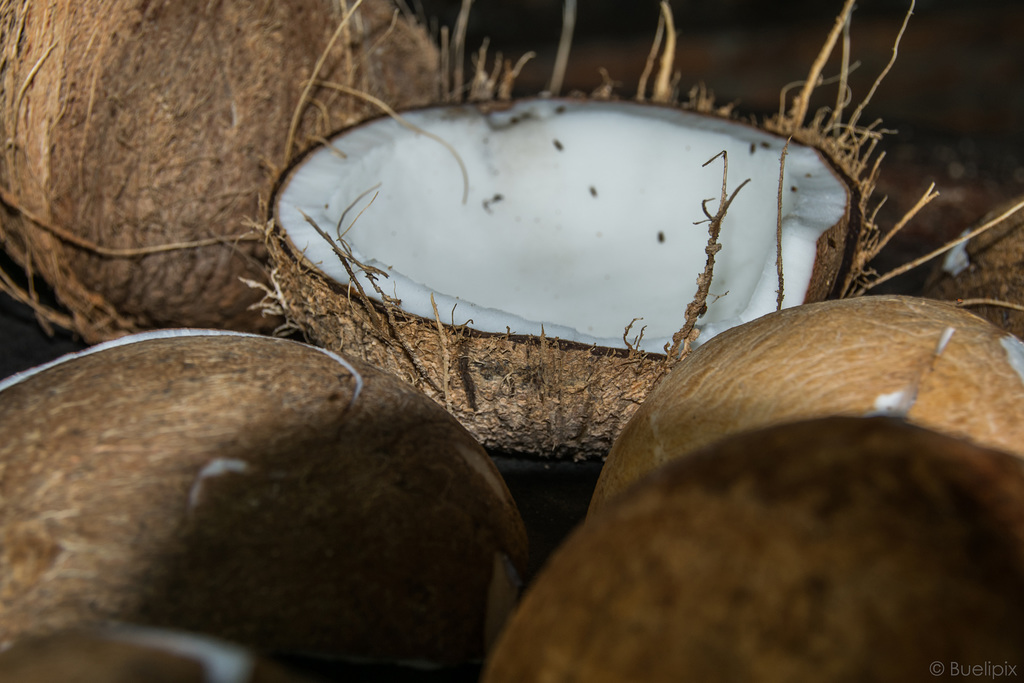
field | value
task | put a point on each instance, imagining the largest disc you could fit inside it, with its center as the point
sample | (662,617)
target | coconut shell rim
(852,220)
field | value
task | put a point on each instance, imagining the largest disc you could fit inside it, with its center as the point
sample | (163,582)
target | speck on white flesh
(579,216)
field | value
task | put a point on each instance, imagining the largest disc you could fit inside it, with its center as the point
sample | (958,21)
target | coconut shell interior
(254,489)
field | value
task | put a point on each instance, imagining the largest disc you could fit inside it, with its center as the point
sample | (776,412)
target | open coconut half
(530,264)
(928,361)
(257,489)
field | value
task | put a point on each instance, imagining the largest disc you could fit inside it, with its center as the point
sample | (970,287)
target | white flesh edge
(215,468)
(549,254)
(222,662)
(957,259)
(166,334)
(1014,354)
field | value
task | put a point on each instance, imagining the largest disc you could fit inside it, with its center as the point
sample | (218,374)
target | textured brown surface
(996,270)
(364,525)
(966,138)
(135,124)
(833,358)
(838,550)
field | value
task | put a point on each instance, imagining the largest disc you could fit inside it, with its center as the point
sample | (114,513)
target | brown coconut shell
(132,655)
(993,281)
(142,135)
(838,549)
(255,489)
(537,395)
(861,356)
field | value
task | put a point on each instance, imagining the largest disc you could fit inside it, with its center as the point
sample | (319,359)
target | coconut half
(257,489)
(529,264)
(930,362)
(838,549)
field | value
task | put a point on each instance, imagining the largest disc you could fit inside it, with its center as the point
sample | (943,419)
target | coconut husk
(938,366)
(551,397)
(991,282)
(831,550)
(255,489)
(140,137)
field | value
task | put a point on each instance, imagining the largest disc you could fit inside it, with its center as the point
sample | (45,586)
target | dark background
(954,99)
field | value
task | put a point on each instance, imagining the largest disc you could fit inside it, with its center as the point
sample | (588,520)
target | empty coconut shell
(939,366)
(141,137)
(135,655)
(987,272)
(252,488)
(839,549)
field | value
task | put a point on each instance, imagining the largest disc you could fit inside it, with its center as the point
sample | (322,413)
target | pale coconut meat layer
(567,217)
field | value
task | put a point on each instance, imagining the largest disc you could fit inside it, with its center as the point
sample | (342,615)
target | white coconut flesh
(571,217)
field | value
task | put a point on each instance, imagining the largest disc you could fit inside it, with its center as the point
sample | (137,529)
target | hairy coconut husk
(132,655)
(838,549)
(140,137)
(986,273)
(256,489)
(937,365)
(544,395)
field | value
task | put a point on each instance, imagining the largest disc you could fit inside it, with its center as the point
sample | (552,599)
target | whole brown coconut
(135,655)
(987,272)
(140,137)
(252,488)
(935,364)
(841,549)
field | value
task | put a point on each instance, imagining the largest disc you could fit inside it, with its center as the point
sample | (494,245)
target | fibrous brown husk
(992,283)
(839,549)
(133,126)
(255,489)
(928,361)
(516,394)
